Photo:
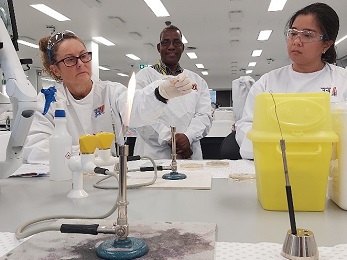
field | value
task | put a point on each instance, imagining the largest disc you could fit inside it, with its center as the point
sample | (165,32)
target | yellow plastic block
(88,144)
(105,140)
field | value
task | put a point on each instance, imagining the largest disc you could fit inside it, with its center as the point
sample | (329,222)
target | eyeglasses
(72,60)
(305,35)
(167,43)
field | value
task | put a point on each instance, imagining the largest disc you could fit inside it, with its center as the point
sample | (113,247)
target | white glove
(176,86)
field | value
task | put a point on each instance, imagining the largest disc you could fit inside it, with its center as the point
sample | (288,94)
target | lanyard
(161,68)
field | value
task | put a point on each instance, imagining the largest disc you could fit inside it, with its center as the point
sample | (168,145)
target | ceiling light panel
(192,55)
(342,39)
(50,12)
(264,35)
(29,44)
(103,40)
(276,5)
(132,56)
(199,66)
(256,53)
(252,64)
(184,40)
(157,8)
(103,68)
(27,41)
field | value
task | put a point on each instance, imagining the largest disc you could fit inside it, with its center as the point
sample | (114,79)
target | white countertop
(231,204)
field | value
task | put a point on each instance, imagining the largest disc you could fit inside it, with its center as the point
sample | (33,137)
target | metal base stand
(123,247)
(300,246)
(129,248)
(174,176)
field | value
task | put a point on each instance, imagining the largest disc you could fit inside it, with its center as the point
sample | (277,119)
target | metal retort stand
(174,175)
(122,247)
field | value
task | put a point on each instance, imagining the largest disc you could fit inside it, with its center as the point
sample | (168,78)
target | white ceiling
(205,24)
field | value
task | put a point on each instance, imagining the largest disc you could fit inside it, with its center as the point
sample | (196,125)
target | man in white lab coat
(190,114)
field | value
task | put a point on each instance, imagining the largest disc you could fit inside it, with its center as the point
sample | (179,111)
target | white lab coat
(99,111)
(332,79)
(239,91)
(190,114)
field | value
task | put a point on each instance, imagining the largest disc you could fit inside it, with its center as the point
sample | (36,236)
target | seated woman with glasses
(91,106)
(311,34)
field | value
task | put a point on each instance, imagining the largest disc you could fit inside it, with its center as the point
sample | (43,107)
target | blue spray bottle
(60,142)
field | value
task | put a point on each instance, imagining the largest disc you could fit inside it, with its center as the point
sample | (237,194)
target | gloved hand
(176,86)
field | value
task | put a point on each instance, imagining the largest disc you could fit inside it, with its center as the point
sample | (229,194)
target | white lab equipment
(4,137)
(223,121)
(87,162)
(5,104)
(224,113)
(22,95)
(240,88)
(337,185)
(60,145)
(104,156)
(78,165)
(220,128)
(6,114)
(82,164)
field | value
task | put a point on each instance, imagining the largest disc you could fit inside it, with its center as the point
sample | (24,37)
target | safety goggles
(55,38)
(304,35)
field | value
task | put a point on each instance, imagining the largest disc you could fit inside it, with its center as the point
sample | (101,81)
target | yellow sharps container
(306,125)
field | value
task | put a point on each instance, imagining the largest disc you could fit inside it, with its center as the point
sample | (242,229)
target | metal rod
(173,149)
(122,220)
(288,189)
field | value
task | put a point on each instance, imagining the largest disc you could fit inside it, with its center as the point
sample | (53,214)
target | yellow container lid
(297,117)
(105,140)
(88,144)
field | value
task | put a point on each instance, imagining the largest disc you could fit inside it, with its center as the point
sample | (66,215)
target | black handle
(133,158)
(146,169)
(80,229)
